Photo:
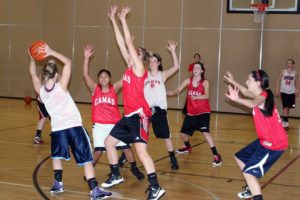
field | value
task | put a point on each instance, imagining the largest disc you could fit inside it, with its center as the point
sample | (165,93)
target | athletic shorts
(100,132)
(288,100)
(160,123)
(42,110)
(257,158)
(194,123)
(133,129)
(77,139)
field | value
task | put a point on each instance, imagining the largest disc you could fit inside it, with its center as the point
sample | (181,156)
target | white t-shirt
(288,82)
(61,108)
(155,91)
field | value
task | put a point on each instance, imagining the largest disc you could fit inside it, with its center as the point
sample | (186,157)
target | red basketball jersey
(105,106)
(133,93)
(269,129)
(196,106)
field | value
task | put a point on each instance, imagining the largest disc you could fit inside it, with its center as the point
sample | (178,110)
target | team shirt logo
(104,100)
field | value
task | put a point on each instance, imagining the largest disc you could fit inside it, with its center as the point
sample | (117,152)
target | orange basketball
(35,52)
(27,99)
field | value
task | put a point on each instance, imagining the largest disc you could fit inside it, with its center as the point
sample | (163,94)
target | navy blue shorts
(193,123)
(42,110)
(133,129)
(160,123)
(257,158)
(77,139)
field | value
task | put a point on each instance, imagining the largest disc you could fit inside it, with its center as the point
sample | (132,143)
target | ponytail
(263,77)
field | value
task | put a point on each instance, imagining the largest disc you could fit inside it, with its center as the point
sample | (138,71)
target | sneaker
(155,193)
(246,194)
(122,160)
(184,150)
(98,193)
(285,125)
(57,187)
(38,140)
(112,180)
(139,175)
(217,160)
(174,164)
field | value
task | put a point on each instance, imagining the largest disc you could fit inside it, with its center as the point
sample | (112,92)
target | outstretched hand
(233,93)
(172,45)
(88,51)
(112,13)
(125,10)
(30,56)
(45,49)
(229,77)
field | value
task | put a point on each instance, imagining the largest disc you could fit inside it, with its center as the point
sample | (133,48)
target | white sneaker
(285,124)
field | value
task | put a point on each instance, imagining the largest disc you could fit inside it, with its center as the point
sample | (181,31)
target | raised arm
(169,72)
(118,85)
(66,72)
(233,95)
(88,53)
(36,82)
(119,37)
(178,90)
(229,78)
(138,66)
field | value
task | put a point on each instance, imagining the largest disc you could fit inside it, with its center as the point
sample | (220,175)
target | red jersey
(196,106)
(269,129)
(191,66)
(133,93)
(105,106)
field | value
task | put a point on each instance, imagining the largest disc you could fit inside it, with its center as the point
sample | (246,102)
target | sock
(38,133)
(92,183)
(258,197)
(133,165)
(171,154)
(115,169)
(214,150)
(187,143)
(152,178)
(58,175)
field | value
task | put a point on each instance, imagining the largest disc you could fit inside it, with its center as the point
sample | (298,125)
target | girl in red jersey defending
(105,111)
(133,127)
(198,111)
(256,159)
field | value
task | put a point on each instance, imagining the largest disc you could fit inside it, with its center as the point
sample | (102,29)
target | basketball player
(133,127)
(155,94)
(287,88)
(256,159)
(66,122)
(198,111)
(105,111)
(197,58)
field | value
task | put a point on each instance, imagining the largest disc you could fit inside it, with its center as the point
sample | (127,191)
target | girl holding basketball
(105,111)
(198,111)
(133,127)
(155,94)
(287,88)
(256,159)
(66,123)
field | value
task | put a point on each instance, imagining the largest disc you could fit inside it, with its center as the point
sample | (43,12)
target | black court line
(7,129)
(35,181)
(280,172)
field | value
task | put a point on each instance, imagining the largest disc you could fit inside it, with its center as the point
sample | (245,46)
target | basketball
(27,100)
(35,52)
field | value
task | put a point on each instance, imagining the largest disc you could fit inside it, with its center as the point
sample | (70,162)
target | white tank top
(155,91)
(288,82)
(61,108)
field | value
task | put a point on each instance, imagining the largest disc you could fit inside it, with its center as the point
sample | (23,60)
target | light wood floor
(25,168)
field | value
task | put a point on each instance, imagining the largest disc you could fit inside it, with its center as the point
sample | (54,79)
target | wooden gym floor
(26,169)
